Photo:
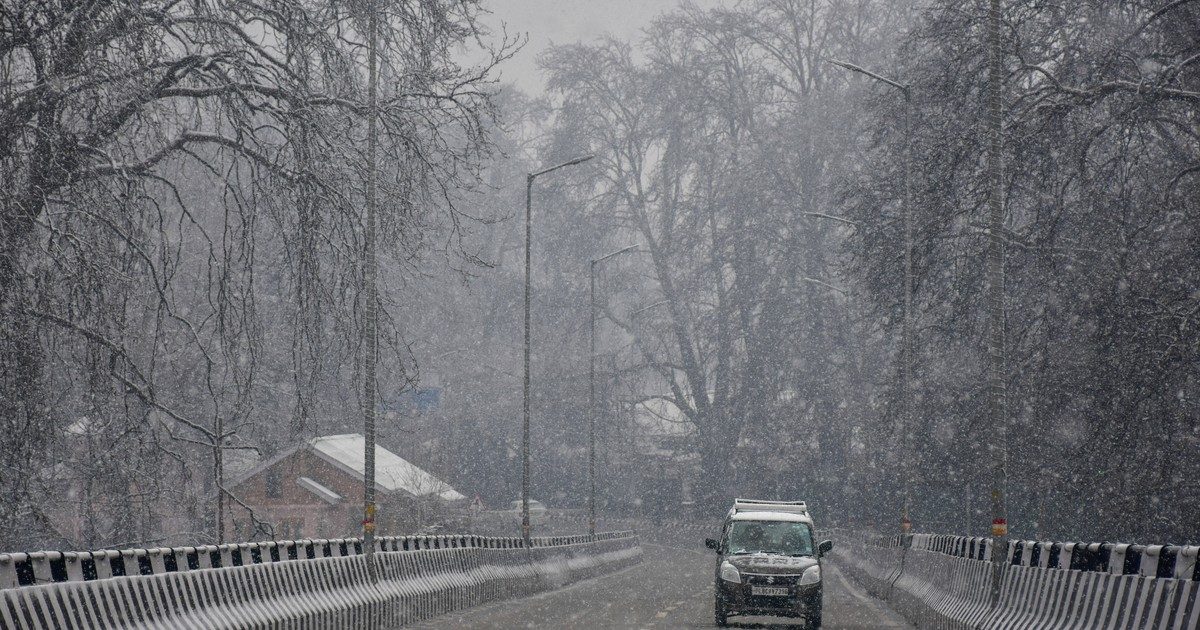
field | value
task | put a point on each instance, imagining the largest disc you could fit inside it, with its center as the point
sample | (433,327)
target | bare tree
(716,154)
(172,130)
(1094,267)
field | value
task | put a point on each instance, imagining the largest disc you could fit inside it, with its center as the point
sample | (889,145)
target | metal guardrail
(944,582)
(43,567)
(1163,561)
(296,584)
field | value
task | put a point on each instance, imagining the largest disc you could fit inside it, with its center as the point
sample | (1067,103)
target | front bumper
(738,597)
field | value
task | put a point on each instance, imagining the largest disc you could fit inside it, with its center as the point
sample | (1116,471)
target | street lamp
(592,390)
(525,529)
(907,327)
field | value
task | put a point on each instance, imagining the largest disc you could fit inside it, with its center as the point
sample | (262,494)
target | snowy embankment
(297,584)
(944,582)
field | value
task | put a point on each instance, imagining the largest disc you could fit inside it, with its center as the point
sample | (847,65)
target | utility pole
(592,389)
(525,527)
(370,316)
(906,332)
(219,476)
(996,387)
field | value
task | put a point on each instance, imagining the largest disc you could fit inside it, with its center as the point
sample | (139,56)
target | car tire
(812,615)
(720,614)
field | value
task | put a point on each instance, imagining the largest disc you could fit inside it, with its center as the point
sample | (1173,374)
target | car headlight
(729,573)
(812,575)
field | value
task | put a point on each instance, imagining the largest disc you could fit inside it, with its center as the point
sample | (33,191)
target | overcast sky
(564,21)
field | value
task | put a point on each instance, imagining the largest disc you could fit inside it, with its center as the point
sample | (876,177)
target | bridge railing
(42,567)
(297,584)
(946,581)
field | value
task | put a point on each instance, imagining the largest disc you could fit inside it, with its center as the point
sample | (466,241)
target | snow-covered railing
(42,567)
(946,582)
(300,584)
(1164,561)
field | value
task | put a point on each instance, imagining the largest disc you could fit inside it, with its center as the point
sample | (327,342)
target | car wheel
(812,616)
(720,615)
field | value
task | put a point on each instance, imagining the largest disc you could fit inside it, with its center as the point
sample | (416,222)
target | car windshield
(780,537)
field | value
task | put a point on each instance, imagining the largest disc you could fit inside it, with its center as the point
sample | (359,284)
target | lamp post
(906,334)
(996,386)
(525,529)
(592,389)
(370,314)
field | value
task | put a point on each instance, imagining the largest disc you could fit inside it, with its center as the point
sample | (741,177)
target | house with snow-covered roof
(314,490)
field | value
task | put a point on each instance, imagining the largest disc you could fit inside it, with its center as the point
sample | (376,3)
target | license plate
(769,591)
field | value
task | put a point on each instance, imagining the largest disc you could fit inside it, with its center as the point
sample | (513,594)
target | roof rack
(756,505)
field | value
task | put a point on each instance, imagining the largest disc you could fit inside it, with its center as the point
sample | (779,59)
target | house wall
(298,513)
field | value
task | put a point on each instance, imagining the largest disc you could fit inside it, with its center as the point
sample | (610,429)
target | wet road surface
(672,588)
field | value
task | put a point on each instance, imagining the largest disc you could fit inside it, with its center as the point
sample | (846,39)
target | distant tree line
(720,136)
(766,185)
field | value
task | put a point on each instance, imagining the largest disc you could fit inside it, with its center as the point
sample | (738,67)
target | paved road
(672,588)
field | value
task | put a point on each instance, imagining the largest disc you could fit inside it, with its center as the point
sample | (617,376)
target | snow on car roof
(771,516)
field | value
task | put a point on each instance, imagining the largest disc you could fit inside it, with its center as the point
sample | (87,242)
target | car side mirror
(712,543)
(825,547)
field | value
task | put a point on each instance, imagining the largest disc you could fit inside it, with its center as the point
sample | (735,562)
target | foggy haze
(267,275)
(549,22)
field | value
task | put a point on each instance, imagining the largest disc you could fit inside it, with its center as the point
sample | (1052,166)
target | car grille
(770,580)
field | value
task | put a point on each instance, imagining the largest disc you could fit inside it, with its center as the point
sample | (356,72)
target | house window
(273,489)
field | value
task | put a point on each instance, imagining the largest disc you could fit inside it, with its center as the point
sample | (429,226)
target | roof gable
(392,472)
(261,466)
(345,453)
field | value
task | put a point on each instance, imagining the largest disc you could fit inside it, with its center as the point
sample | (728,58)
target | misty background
(181,270)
